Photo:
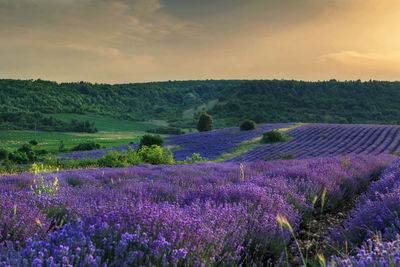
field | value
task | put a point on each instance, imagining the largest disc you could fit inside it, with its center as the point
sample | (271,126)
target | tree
(248,125)
(273,136)
(205,123)
(150,140)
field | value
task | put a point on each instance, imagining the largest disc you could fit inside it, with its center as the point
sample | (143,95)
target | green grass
(112,133)
(12,140)
(108,124)
(241,148)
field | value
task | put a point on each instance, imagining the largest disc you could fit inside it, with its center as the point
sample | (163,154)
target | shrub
(33,142)
(19,157)
(86,146)
(205,123)
(26,148)
(155,155)
(196,158)
(248,125)
(150,140)
(273,136)
(287,156)
(113,159)
(132,157)
(3,154)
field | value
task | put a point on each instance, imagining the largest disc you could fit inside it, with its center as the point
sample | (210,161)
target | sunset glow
(117,41)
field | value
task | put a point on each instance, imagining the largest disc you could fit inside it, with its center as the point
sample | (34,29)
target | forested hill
(179,102)
(298,101)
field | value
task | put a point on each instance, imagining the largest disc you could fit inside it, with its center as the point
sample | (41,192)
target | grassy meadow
(112,132)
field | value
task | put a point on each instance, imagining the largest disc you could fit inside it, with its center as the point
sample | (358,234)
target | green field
(107,124)
(112,133)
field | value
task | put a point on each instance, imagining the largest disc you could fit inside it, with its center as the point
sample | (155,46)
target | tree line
(259,100)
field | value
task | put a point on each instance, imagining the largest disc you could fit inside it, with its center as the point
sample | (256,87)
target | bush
(287,156)
(19,157)
(86,146)
(25,148)
(113,159)
(273,136)
(196,158)
(155,155)
(205,123)
(132,157)
(248,125)
(3,154)
(152,155)
(150,140)
(33,142)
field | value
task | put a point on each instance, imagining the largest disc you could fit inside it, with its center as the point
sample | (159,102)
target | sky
(121,41)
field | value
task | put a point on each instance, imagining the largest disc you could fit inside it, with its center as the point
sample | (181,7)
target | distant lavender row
(95,154)
(315,140)
(375,220)
(208,144)
(212,144)
(203,214)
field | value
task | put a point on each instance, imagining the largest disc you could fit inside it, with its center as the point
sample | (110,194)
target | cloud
(144,40)
(367,61)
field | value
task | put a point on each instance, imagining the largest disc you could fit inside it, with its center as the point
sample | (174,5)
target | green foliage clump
(3,154)
(113,159)
(287,156)
(155,155)
(195,158)
(248,125)
(205,123)
(90,145)
(150,140)
(273,136)
(151,155)
(33,142)
(25,154)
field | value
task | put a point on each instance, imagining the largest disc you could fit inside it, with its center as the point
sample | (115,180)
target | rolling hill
(181,102)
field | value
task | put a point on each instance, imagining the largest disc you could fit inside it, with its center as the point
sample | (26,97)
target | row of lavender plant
(316,140)
(202,214)
(209,145)
(374,224)
(96,154)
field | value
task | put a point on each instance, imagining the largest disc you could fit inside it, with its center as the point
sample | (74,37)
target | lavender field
(316,140)
(307,141)
(208,144)
(197,215)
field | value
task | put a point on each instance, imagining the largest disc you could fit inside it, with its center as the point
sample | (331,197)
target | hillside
(135,102)
(325,102)
(180,102)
